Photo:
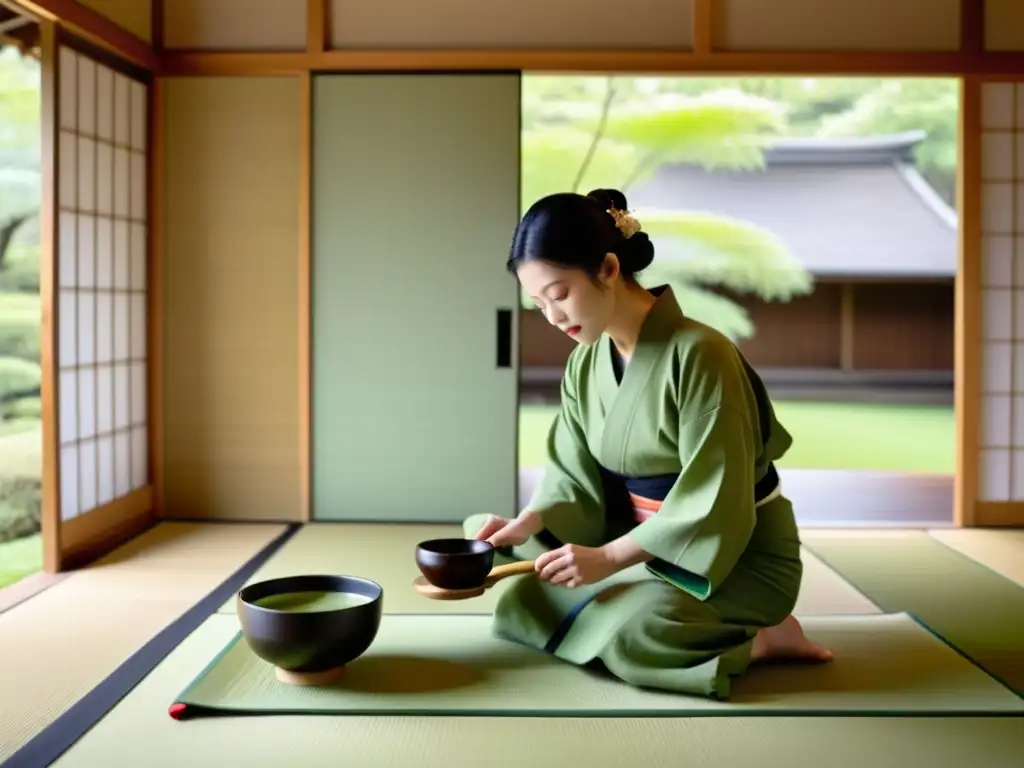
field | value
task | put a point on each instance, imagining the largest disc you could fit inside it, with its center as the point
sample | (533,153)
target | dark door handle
(504,329)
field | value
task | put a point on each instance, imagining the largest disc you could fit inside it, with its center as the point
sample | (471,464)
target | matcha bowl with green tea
(309,627)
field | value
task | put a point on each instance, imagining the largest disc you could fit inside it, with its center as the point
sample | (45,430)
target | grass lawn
(896,438)
(20,558)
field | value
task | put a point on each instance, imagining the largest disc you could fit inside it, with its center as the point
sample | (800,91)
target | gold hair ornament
(626,222)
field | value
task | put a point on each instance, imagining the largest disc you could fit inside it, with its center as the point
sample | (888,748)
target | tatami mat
(139,732)
(386,554)
(1002,551)
(61,643)
(974,608)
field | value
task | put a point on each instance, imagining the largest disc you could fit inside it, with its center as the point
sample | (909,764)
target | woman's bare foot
(787,642)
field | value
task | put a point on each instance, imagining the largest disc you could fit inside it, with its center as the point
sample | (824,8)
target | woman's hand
(573,565)
(502,532)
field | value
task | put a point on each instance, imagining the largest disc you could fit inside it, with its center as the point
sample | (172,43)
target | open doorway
(21,549)
(814,221)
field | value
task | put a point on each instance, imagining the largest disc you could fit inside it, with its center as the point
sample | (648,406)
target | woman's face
(570,299)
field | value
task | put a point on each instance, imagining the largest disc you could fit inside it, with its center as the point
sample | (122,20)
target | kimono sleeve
(570,497)
(707,519)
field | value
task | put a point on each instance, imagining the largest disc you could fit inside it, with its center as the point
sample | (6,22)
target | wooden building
(879,243)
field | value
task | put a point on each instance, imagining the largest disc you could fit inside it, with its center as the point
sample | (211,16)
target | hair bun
(638,252)
(610,198)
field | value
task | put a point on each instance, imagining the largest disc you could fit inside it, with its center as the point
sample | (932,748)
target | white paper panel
(138,257)
(105,470)
(138,186)
(1017,429)
(67,313)
(997,106)
(138,332)
(67,162)
(1018,321)
(103,183)
(1018,197)
(68,406)
(995,475)
(86,96)
(68,88)
(86,327)
(122,116)
(104,399)
(1019,104)
(122,463)
(122,182)
(138,397)
(1017,364)
(87,475)
(836,25)
(86,251)
(86,174)
(524,24)
(86,403)
(122,396)
(104,253)
(996,371)
(104,178)
(137,115)
(67,250)
(122,326)
(122,257)
(140,458)
(997,208)
(1017,476)
(997,313)
(69,482)
(1018,261)
(104,327)
(995,425)
(997,163)
(997,261)
(105,103)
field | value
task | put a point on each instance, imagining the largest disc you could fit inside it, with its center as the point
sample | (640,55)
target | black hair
(576,231)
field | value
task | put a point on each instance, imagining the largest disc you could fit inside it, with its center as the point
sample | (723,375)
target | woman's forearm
(624,552)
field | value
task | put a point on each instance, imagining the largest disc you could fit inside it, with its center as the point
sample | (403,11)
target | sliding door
(414,366)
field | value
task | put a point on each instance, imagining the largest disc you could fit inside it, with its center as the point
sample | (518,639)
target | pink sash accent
(644,508)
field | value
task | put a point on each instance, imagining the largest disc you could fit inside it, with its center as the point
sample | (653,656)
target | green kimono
(690,415)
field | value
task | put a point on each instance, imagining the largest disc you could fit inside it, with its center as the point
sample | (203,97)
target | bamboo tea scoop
(425,588)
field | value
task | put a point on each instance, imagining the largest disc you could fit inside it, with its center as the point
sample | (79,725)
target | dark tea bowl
(455,563)
(305,625)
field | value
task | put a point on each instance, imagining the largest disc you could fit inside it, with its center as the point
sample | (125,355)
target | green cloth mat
(974,609)
(454,665)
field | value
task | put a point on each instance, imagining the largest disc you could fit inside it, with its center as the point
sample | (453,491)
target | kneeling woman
(665,551)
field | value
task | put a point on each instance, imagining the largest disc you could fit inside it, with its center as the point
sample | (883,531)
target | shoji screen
(1002,163)
(100,302)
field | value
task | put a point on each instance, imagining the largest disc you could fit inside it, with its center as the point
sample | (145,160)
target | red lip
(573,330)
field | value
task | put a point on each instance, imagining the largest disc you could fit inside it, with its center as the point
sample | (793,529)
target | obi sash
(647,494)
(641,497)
